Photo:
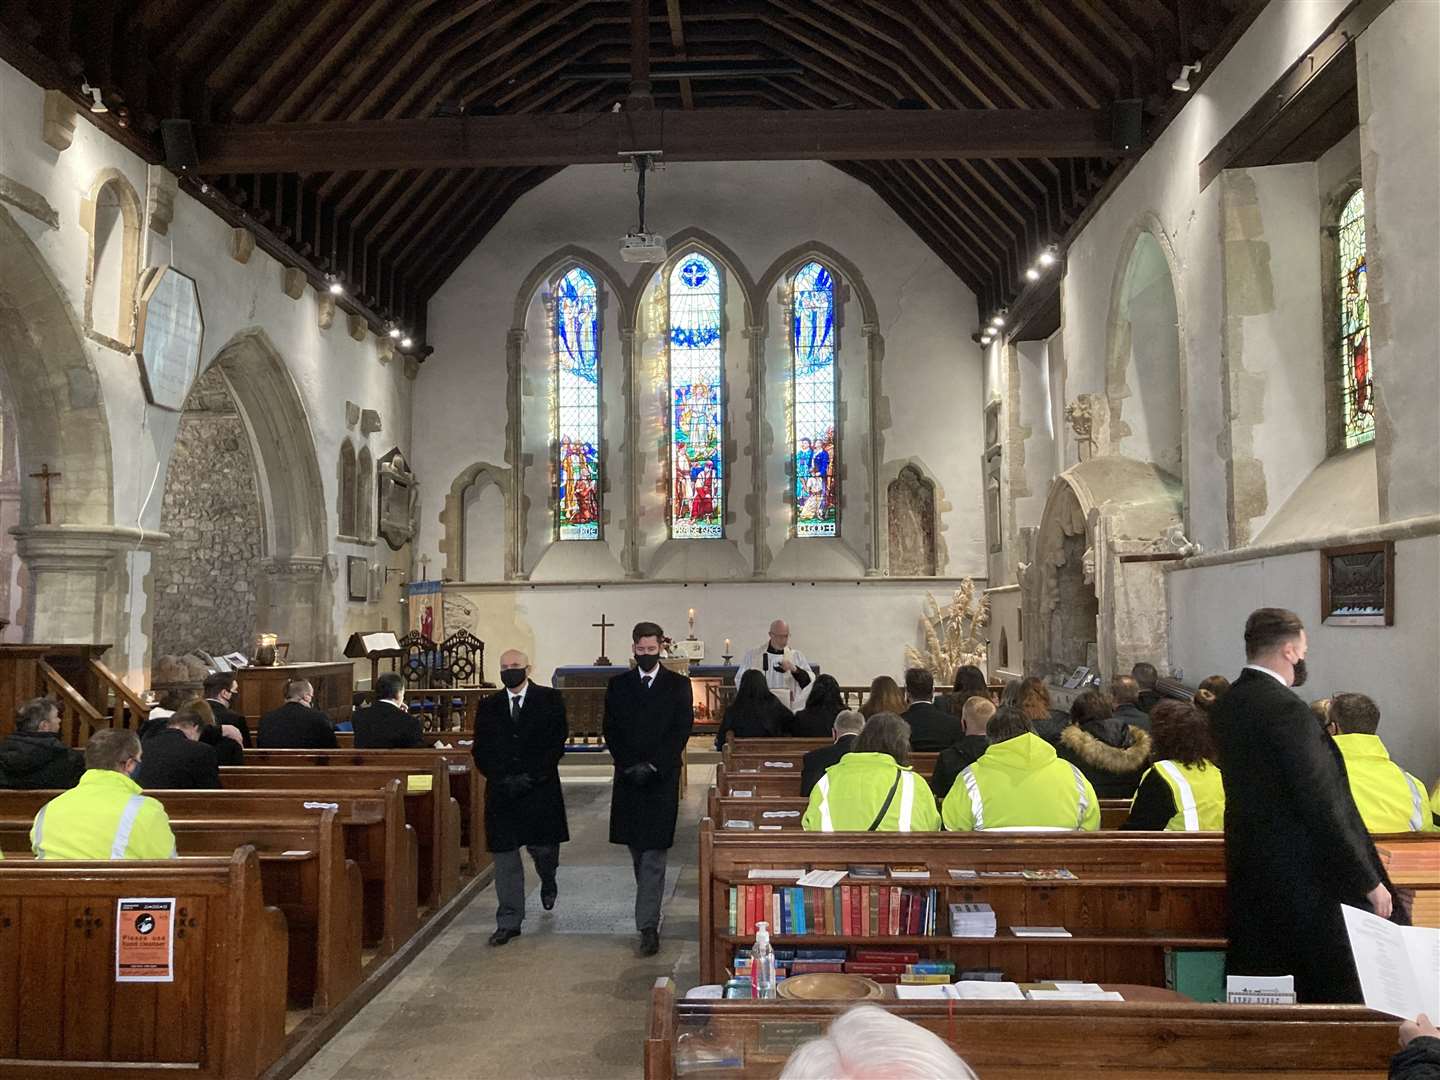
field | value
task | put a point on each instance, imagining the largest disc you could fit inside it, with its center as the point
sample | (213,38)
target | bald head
(514,669)
(513,658)
(779,633)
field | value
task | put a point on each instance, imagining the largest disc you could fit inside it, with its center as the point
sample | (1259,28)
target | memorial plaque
(172,332)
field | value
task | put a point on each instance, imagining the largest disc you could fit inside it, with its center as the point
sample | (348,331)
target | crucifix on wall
(602,660)
(45,475)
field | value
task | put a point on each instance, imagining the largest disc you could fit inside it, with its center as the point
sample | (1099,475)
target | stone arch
(693,239)
(1145,370)
(346,507)
(112,216)
(549,268)
(849,274)
(452,517)
(365,507)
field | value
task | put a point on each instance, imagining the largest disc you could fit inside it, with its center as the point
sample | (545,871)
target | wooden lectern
(374,645)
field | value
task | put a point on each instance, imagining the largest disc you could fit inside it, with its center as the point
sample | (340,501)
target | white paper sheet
(822,879)
(1399,966)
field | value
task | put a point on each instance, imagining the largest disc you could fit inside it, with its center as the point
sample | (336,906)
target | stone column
(875,347)
(295,603)
(630,559)
(759,517)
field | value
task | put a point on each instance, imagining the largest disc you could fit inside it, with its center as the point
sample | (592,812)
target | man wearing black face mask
(519,740)
(1295,845)
(648,716)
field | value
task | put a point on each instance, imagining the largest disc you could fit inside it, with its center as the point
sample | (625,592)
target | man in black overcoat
(296,725)
(648,716)
(1295,846)
(520,737)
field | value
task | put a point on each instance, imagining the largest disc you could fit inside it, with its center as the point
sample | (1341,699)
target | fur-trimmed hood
(1103,754)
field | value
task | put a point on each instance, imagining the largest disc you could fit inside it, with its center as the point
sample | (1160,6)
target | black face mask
(1300,673)
(512,677)
(646,661)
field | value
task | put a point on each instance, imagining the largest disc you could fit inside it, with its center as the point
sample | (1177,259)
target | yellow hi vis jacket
(104,817)
(1199,796)
(1389,799)
(851,792)
(1021,784)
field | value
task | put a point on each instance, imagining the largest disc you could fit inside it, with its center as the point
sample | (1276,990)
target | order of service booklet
(1397,964)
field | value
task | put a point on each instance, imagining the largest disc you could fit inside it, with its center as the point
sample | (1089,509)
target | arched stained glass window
(577,407)
(813,385)
(1356,374)
(696,408)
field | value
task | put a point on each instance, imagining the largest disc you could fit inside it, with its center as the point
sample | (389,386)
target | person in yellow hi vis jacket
(105,816)
(1182,790)
(873,788)
(1020,783)
(1389,799)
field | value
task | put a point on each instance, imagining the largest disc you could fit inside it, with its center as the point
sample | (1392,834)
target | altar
(712,687)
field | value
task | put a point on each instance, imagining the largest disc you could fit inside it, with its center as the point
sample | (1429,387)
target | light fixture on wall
(1046,257)
(394,331)
(1032,274)
(999,318)
(405,343)
(1183,82)
(93,93)
(333,284)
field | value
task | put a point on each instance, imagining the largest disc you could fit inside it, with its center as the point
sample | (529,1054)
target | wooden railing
(78,718)
(126,705)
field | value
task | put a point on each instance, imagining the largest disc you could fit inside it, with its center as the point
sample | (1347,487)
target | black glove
(515,786)
(641,775)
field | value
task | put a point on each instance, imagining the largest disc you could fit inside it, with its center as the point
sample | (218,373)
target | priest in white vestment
(786,670)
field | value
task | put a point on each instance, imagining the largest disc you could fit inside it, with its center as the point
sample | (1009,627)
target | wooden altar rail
(1134,895)
(783,812)
(1020,1040)
(125,703)
(78,718)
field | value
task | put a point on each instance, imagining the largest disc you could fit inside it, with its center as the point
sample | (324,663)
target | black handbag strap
(886,804)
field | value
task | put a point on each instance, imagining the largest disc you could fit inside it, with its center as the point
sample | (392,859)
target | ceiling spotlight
(1047,257)
(1183,82)
(405,343)
(998,321)
(394,331)
(1032,274)
(336,289)
(96,105)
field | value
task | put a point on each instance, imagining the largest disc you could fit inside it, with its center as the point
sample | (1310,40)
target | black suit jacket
(647,726)
(530,747)
(171,761)
(226,715)
(1295,846)
(814,763)
(954,760)
(294,726)
(932,729)
(383,725)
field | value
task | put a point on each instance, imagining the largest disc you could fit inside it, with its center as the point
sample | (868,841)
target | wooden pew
(62,1014)
(771,812)
(303,872)
(466,783)
(434,815)
(1021,1040)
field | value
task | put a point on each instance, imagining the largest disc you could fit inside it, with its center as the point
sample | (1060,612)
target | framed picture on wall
(357,577)
(1357,585)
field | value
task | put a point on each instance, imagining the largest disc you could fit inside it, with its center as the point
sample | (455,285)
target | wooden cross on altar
(46,475)
(602,660)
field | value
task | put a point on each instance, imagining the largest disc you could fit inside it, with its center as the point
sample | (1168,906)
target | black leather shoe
(503,937)
(548,893)
(649,942)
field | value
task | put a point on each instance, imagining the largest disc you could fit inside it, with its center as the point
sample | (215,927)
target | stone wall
(205,580)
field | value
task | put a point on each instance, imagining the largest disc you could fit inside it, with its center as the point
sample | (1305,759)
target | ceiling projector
(642,247)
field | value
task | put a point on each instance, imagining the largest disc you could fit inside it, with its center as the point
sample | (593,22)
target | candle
(692,614)
(727,644)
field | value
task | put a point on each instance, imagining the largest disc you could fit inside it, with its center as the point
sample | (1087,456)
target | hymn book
(1399,966)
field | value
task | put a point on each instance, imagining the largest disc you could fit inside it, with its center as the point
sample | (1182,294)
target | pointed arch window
(577,407)
(697,419)
(1357,404)
(814,386)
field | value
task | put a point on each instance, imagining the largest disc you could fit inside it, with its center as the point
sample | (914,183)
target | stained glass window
(577,407)
(1356,377)
(812,345)
(696,410)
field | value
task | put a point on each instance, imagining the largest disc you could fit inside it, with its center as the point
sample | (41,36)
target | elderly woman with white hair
(868,1043)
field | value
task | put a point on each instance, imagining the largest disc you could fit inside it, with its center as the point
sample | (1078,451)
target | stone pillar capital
(90,546)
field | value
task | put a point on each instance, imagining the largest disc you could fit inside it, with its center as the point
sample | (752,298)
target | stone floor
(568,999)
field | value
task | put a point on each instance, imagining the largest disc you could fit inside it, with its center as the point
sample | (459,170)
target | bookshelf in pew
(768,813)
(1134,896)
(1021,1040)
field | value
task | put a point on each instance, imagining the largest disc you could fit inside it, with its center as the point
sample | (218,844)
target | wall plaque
(1357,585)
(172,332)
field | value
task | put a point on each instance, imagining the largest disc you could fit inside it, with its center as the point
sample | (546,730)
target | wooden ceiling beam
(677,43)
(236,61)
(286,65)
(500,191)
(328,75)
(999,18)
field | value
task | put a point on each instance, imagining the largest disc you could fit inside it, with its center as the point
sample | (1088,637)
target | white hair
(868,1042)
(849,722)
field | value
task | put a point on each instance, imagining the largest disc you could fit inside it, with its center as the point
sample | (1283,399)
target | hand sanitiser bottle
(762,963)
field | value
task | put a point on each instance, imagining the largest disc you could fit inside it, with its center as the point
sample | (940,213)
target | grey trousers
(649,866)
(510,881)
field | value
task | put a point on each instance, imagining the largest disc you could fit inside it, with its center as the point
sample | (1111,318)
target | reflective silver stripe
(977,806)
(907,800)
(1080,794)
(127,823)
(39,833)
(826,825)
(1417,819)
(1187,795)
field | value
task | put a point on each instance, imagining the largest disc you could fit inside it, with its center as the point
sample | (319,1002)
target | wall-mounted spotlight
(1031,274)
(394,331)
(1183,82)
(1047,257)
(405,343)
(93,92)
(998,320)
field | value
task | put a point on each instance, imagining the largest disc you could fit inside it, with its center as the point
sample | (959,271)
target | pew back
(784,812)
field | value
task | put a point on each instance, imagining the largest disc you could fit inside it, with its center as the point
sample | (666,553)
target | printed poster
(145,940)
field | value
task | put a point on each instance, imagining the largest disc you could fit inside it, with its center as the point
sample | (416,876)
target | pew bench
(768,813)
(1021,1040)
(62,1013)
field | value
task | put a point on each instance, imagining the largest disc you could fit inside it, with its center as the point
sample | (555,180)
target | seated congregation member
(967,749)
(1125,693)
(1389,799)
(34,757)
(221,689)
(969,681)
(1320,709)
(931,728)
(1111,753)
(385,724)
(176,758)
(1020,783)
(1212,688)
(1033,697)
(846,729)
(225,739)
(296,725)
(885,696)
(105,816)
(825,703)
(1182,791)
(1419,1054)
(755,713)
(873,788)
(871,1043)
(1148,678)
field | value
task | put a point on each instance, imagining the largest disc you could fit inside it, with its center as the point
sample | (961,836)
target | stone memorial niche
(910,504)
(399,499)
(1095,589)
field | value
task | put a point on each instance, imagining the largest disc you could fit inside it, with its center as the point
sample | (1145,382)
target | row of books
(898,966)
(912,872)
(846,910)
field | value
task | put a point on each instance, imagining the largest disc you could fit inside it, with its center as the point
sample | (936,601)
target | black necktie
(649,679)
(515,700)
